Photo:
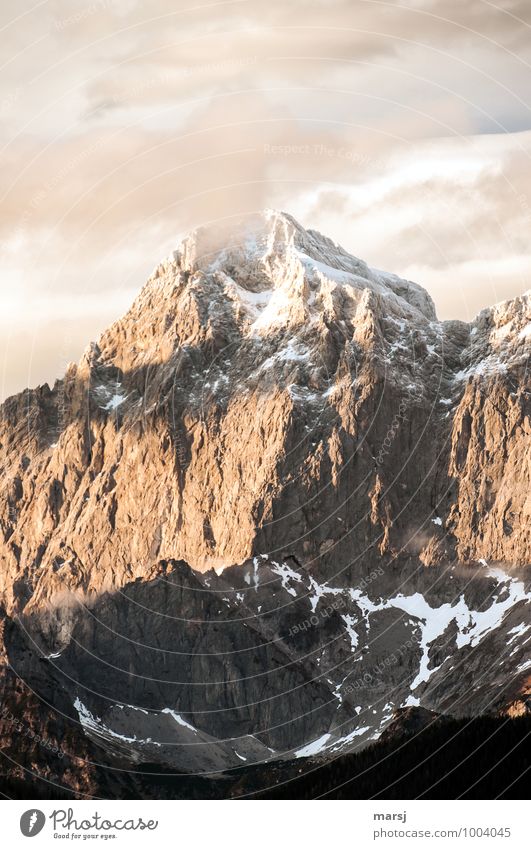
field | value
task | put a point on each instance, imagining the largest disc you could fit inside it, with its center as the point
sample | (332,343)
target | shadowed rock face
(276,502)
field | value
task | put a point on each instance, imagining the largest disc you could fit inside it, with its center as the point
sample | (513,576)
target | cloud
(453,215)
(382,123)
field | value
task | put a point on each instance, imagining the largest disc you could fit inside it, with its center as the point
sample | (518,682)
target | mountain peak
(287,305)
(255,237)
(270,250)
(250,233)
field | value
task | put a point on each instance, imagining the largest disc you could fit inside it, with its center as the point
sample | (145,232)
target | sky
(400,129)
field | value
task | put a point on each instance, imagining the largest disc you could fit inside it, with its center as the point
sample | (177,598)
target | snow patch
(178,718)
(350,621)
(488,366)
(285,573)
(132,707)
(518,631)
(313,748)
(94,724)
(348,738)
(256,577)
(116,401)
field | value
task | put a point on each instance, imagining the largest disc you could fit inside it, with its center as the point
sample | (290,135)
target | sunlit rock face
(275,502)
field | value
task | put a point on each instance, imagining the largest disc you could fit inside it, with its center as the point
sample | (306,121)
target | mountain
(274,505)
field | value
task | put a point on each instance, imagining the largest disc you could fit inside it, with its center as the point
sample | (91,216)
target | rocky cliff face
(276,502)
